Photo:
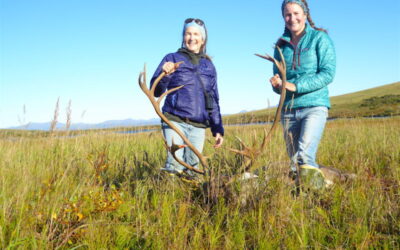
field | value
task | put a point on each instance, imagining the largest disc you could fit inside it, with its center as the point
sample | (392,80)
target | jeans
(195,135)
(303,129)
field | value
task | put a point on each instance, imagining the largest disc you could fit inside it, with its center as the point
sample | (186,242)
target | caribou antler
(156,105)
(252,153)
(281,65)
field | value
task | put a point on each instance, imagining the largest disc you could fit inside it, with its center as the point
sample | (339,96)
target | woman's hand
(276,82)
(290,86)
(218,140)
(169,68)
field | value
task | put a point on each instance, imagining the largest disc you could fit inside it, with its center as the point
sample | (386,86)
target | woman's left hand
(218,140)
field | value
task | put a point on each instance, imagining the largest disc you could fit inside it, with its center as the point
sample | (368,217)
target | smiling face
(295,18)
(193,39)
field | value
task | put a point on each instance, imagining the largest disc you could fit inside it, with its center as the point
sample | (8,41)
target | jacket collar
(192,57)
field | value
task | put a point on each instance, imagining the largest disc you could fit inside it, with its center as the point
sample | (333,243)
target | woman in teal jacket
(310,61)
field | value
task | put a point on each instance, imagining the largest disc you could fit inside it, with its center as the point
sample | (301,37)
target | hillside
(374,102)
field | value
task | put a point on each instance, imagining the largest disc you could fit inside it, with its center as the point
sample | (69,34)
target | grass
(375,102)
(102,190)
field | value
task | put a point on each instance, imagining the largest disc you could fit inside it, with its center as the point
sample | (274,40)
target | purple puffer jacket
(189,102)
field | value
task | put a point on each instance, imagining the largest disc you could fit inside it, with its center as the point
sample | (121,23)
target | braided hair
(310,21)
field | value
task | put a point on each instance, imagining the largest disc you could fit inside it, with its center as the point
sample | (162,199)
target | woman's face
(295,18)
(193,39)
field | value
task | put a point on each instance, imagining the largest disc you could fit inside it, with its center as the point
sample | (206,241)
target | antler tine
(251,153)
(161,76)
(267,57)
(155,83)
(142,80)
(144,74)
(174,147)
(245,151)
(156,106)
(283,63)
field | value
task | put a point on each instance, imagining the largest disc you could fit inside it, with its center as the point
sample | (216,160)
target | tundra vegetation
(102,189)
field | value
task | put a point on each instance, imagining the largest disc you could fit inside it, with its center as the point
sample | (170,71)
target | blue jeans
(195,135)
(303,129)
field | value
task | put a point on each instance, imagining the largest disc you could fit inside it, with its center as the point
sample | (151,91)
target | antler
(252,153)
(281,65)
(156,106)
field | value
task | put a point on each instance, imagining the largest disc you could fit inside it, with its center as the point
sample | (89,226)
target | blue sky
(91,52)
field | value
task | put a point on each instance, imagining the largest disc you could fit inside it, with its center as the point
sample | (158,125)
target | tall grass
(105,190)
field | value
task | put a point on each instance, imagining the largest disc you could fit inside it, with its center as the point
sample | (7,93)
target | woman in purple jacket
(194,107)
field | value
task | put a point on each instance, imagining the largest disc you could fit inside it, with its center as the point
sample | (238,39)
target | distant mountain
(380,101)
(83,126)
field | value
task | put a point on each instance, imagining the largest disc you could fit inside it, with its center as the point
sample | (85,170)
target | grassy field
(104,190)
(375,102)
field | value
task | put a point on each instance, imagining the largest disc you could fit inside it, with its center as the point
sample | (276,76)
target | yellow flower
(80,216)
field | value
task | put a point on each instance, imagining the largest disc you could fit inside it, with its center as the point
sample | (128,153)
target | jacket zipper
(294,52)
(295,49)
(199,83)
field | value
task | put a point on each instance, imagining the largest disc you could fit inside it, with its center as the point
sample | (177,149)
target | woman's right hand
(276,81)
(169,68)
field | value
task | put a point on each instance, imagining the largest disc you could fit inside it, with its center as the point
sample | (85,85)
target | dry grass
(104,190)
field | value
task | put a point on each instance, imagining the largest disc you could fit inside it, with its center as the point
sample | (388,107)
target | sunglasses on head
(196,20)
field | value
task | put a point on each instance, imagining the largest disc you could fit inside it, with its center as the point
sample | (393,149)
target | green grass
(104,190)
(366,103)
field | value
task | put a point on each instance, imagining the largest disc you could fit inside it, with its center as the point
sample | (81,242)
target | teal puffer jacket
(310,66)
